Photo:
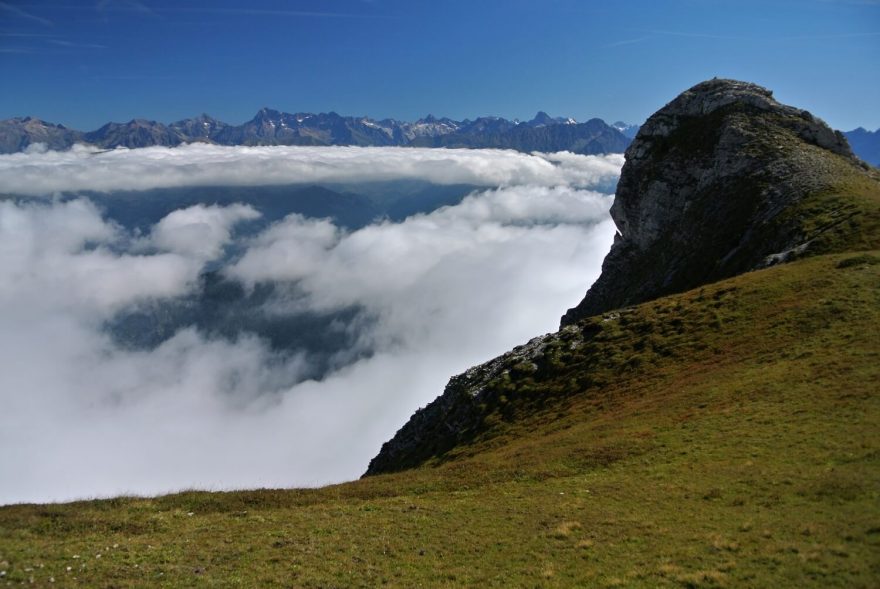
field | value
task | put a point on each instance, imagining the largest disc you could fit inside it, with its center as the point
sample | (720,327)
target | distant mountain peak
(542,118)
(627,129)
(866,144)
(267,114)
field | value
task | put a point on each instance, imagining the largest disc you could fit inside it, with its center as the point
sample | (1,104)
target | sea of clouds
(85,417)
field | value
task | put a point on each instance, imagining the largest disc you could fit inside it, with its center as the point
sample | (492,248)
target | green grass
(726,436)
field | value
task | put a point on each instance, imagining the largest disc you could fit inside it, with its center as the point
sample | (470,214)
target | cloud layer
(443,290)
(88,168)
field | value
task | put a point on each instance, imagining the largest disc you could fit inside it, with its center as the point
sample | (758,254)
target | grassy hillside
(726,436)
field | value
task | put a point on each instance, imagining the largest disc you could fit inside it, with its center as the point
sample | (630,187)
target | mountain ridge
(17,134)
(866,144)
(273,127)
(721,181)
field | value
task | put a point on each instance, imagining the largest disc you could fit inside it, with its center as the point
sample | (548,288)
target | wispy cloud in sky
(72,45)
(123,5)
(700,35)
(819,37)
(134,6)
(853,2)
(654,34)
(627,42)
(269,12)
(18,12)
(26,35)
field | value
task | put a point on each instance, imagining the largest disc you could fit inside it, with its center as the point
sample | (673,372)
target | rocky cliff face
(720,181)
(707,191)
(455,416)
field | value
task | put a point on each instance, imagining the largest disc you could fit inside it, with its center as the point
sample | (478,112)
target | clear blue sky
(85,62)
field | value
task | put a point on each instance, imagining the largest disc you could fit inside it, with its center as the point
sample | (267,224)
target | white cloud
(64,256)
(86,168)
(199,231)
(444,290)
(289,250)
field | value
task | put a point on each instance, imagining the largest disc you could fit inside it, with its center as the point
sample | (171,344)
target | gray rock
(702,194)
(455,416)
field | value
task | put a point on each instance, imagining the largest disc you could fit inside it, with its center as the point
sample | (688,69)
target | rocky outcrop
(456,415)
(722,180)
(707,192)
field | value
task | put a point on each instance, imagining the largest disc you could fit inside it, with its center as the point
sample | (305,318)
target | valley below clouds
(223,343)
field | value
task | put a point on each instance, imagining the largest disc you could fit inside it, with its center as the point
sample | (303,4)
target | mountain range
(273,127)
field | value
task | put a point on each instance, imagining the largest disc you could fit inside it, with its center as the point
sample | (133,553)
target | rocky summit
(722,180)
(708,191)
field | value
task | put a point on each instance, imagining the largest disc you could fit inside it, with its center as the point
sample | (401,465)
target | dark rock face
(704,192)
(454,417)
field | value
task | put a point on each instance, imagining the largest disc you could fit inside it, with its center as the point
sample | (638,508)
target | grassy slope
(726,436)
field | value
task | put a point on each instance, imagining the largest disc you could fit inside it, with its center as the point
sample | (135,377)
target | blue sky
(85,62)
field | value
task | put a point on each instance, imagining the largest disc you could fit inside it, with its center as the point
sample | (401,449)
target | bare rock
(704,192)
